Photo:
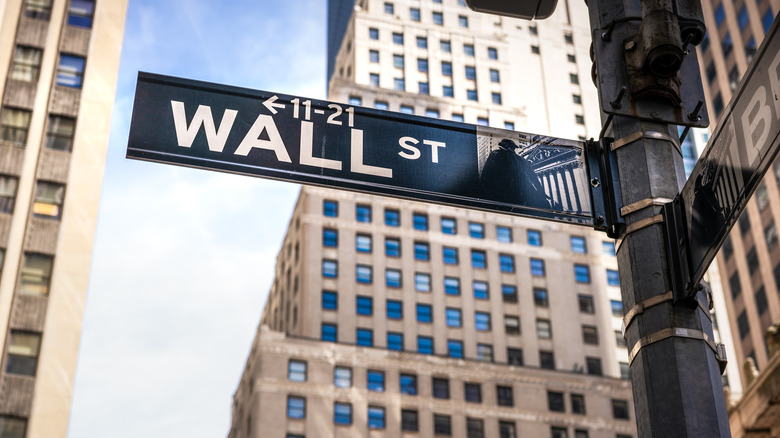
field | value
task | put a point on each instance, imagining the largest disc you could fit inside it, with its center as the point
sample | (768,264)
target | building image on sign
(390,317)
(59,69)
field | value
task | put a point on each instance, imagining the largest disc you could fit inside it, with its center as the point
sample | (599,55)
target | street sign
(738,155)
(290,138)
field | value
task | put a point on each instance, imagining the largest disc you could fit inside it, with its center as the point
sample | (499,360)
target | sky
(184,258)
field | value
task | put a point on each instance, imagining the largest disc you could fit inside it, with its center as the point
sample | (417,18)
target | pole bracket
(604,186)
(680,332)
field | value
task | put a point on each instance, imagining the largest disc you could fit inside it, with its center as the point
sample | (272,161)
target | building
(749,261)
(61,61)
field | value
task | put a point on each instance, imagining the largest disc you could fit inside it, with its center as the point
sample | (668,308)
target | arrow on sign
(269,103)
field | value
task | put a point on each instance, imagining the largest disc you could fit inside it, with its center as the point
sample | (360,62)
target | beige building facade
(60,60)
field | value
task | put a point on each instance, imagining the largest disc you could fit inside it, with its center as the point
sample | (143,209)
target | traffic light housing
(525,9)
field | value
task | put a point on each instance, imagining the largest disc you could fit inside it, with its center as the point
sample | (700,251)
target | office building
(60,61)
(749,260)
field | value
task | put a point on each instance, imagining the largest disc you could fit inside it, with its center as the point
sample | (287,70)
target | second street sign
(309,141)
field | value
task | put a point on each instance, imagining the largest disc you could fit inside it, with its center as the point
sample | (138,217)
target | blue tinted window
(446,68)
(482,321)
(608,248)
(726,45)
(392,247)
(506,262)
(617,307)
(329,300)
(71,71)
(389,8)
(394,309)
(395,341)
(376,417)
(453,317)
(422,282)
(330,208)
(742,17)
(342,413)
(496,98)
(537,267)
(424,313)
(448,225)
(330,269)
(342,377)
(509,293)
(455,349)
(478,259)
(365,337)
(480,290)
(330,237)
(363,213)
(720,14)
(414,14)
(399,84)
(476,230)
(446,46)
(438,18)
(534,238)
(392,218)
(447,91)
(421,251)
(296,407)
(540,297)
(494,75)
(393,278)
(451,286)
(492,53)
(471,72)
(363,243)
(450,255)
(424,345)
(406,109)
(581,274)
(364,305)
(329,332)
(363,274)
(422,64)
(504,234)
(578,245)
(398,38)
(422,42)
(468,49)
(373,33)
(767,19)
(81,12)
(613,278)
(375,381)
(408,384)
(420,221)
(463,21)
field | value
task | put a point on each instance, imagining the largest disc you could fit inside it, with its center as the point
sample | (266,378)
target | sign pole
(675,375)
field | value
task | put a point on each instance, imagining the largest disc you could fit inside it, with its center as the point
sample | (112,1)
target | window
(473,392)
(364,305)
(363,213)
(450,255)
(537,267)
(406,109)
(40,10)
(373,79)
(392,247)
(504,234)
(453,317)
(504,395)
(446,68)
(296,407)
(511,325)
(455,349)
(408,383)
(509,293)
(424,313)
(495,98)
(375,380)
(726,45)
(617,307)
(581,274)
(578,244)
(547,360)
(593,366)
(580,433)
(720,15)
(620,409)
(392,278)
(409,420)
(555,401)
(540,297)
(448,225)
(296,371)
(447,91)
(373,56)
(752,260)
(438,18)
(398,38)
(457,117)
(761,302)
(576,98)
(475,428)
(342,377)
(414,14)
(48,200)
(494,76)
(422,251)
(398,61)
(424,344)
(608,248)
(446,46)
(26,64)
(395,341)
(376,417)
(468,50)
(329,300)
(363,274)
(431,112)
(735,285)
(476,230)
(60,133)
(535,49)
(613,278)
(509,126)
(481,291)
(559,432)
(389,8)
(590,335)
(15,124)
(441,388)
(471,72)
(330,208)
(365,337)
(420,221)
(36,274)
(330,237)
(442,425)
(743,325)
(482,321)
(7,193)
(342,413)
(329,332)
(81,12)
(543,329)
(451,286)
(422,282)
(620,341)
(506,262)
(373,33)
(23,353)
(422,42)
(478,259)
(463,21)
(484,353)
(70,72)
(514,356)
(394,309)
(483,121)
(492,53)
(574,79)
(534,238)
(767,19)
(422,65)
(507,429)
(586,303)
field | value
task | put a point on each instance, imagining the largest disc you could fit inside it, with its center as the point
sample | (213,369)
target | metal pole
(675,376)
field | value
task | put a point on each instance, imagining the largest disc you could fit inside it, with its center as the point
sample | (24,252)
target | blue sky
(184,258)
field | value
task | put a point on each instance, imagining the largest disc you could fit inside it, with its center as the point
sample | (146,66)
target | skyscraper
(749,259)
(61,61)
